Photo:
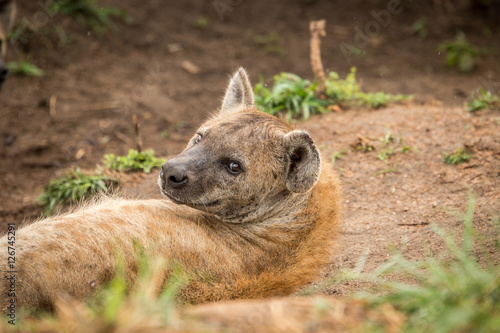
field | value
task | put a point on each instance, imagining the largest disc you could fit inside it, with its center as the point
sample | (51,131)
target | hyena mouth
(197,205)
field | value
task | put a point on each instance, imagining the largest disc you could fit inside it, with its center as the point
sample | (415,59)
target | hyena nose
(174,175)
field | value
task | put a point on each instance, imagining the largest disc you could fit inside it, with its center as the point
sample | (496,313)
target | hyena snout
(174,175)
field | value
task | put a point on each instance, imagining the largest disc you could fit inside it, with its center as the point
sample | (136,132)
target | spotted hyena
(250,211)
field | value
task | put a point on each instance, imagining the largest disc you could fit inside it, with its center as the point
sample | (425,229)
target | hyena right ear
(304,162)
(239,93)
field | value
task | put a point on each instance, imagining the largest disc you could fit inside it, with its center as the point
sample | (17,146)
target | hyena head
(7,14)
(243,165)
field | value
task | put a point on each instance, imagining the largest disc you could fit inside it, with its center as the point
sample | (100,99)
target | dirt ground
(82,107)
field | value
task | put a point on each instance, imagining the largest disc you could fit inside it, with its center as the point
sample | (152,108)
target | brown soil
(99,81)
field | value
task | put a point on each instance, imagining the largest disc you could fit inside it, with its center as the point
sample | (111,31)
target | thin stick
(52,106)
(138,139)
(317,29)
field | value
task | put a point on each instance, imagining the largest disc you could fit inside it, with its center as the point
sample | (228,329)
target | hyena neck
(278,208)
(286,226)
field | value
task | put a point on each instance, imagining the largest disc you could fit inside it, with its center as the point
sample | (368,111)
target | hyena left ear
(239,93)
(304,163)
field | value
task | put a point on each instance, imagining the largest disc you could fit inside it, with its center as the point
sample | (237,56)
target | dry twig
(317,29)
(138,139)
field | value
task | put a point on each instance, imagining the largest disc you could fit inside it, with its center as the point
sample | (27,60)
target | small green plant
(391,145)
(341,90)
(296,96)
(391,169)
(347,91)
(483,100)
(419,27)
(135,160)
(289,93)
(24,68)
(339,154)
(92,13)
(457,157)
(270,43)
(460,53)
(387,150)
(406,149)
(72,188)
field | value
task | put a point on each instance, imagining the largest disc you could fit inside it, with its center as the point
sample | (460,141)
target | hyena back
(7,15)
(253,212)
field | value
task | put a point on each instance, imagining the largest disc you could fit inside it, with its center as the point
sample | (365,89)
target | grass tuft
(24,68)
(72,188)
(461,294)
(460,53)
(296,96)
(483,100)
(92,13)
(291,93)
(457,157)
(134,161)
(118,305)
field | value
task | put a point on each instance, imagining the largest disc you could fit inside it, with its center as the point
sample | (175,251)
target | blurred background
(79,70)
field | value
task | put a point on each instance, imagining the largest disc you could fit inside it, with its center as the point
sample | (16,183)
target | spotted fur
(265,230)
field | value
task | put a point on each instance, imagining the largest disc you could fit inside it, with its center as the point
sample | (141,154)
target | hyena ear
(239,93)
(304,161)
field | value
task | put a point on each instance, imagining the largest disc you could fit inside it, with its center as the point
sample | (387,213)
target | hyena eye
(198,139)
(234,168)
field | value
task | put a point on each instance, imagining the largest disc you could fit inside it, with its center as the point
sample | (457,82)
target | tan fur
(260,239)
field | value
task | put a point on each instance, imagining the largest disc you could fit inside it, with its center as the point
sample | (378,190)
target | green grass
(24,68)
(118,305)
(72,188)
(118,297)
(296,96)
(347,91)
(458,157)
(457,290)
(291,93)
(391,145)
(91,13)
(460,53)
(483,100)
(134,161)
(339,154)
(389,170)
